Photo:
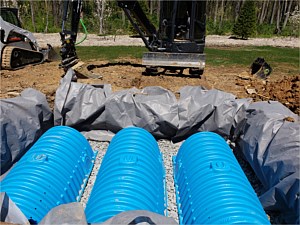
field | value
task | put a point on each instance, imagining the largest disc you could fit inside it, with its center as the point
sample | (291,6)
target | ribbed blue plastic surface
(54,171)
(131,177)
(210,185)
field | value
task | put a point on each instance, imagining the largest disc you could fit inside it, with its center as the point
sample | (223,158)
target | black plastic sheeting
(23,120)
(270,142)
(267,133)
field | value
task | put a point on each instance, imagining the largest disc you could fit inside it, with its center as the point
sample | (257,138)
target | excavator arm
(69,36)
(178,43)
(141,23)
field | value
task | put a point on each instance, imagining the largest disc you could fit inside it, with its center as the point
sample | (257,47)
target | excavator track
(15,58)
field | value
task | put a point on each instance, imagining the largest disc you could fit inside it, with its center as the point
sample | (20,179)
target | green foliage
(246,23)
(89,18)
(220,29)
(294,23)
(266,30)
(291,30)
(115,22)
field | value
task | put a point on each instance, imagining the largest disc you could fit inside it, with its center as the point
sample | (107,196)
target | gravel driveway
(211,40)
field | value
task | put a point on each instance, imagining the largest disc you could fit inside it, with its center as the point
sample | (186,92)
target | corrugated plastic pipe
(54,171)
(131,177)
(211,187)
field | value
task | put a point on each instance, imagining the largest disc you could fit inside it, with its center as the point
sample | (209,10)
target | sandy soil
(46,77)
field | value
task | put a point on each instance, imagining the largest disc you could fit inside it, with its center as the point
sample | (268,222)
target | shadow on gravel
(238,38)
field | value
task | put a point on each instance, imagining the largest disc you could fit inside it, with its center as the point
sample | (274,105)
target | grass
(231,56)
(278,58)
(110,52)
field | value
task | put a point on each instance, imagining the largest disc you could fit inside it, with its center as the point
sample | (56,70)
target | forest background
(104,17)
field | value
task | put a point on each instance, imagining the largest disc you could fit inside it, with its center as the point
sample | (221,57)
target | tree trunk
(259,6)
(287,14)
(222,13)
(273,12)
(261,17)
(100,12)
(265,13)
(32,15)
(216,13)
(237,10)
(123,18)
(278,29)
(47,17)
(55,11)
(151,7)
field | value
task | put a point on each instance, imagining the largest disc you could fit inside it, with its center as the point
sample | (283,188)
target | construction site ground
(235,79)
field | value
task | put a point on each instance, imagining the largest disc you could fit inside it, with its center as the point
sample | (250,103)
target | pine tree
(246,23)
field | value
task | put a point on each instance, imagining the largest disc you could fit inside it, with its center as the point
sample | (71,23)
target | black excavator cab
(182,25)
(178,43)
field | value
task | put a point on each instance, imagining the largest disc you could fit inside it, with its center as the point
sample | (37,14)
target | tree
(100,13)
(32,15)
(246,23)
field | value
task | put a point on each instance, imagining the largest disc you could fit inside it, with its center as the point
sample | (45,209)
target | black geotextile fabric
(23,120)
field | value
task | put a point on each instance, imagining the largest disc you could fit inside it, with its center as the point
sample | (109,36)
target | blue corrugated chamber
(131,177)
(211,187)
(54,171)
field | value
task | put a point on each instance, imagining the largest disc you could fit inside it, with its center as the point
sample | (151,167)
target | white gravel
(101,148)
(168,150)
(125,40)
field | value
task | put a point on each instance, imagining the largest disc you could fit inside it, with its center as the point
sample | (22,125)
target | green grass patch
(110,52)
(231,56)
(244,56)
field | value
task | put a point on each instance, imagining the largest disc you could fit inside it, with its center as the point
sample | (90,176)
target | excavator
(18,47)
(177,44)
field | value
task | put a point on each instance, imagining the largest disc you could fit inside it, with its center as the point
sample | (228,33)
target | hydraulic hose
(85,33)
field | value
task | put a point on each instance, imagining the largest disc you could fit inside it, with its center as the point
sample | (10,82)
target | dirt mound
(285,90)
(46,78)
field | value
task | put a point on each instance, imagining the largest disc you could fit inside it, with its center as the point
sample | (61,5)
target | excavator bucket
(50,54)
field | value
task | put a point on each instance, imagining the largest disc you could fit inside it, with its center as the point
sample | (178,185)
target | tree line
(281,17)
